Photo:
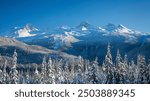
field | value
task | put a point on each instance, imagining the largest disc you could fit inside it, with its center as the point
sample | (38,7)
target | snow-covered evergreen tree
(36,75)
(119,76)
(54,71)
(108,57)
(5,75)
(76,71)
(66,73)
(78,79)
(141,64)
(58,73)
(133,73)
(43,71)
(93,72)
(108,66)
(72,73)
(51,76)
(126,67)
(81,63)
(121,69)
(14,73)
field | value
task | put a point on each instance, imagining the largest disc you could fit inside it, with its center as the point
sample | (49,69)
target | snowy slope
(65,37)
(7,46)
(84,39)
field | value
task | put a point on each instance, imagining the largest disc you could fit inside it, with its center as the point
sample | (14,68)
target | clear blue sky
(52,13)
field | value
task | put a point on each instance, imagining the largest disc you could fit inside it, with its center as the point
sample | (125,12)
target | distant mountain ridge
(85,39)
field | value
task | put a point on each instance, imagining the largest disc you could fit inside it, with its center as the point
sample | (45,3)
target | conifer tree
(51,76)
(58,75)
(93,73)
(14,72)
(36,75)
(4,73)
(108,57)
(142,78)
(72,73)
(43,70)
(121,68)
(52,71)
(132,73)
(126,68)
(108,66)
(66,73)
(118,66)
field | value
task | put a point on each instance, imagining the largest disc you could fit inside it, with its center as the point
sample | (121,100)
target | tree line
(78,71)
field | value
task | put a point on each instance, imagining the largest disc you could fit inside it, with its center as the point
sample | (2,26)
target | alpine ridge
(85,39)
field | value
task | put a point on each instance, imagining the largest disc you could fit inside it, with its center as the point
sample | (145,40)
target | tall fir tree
(93,72)
(133,73)
(43,71)
(14,73)
(66,73)
(141,64)
(36,75)
(108,66)
(59,72)
(126,67)
(51,76)
(5,75)
(121,68)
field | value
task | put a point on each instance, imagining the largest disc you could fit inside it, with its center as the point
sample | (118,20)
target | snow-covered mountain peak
(123,29)
(26,31)
(85,27)
(82,27)
(73,34)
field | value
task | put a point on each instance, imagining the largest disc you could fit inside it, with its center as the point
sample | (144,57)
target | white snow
(67,38)
(25,32)
(84,28)
(123,29)
(71,39)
